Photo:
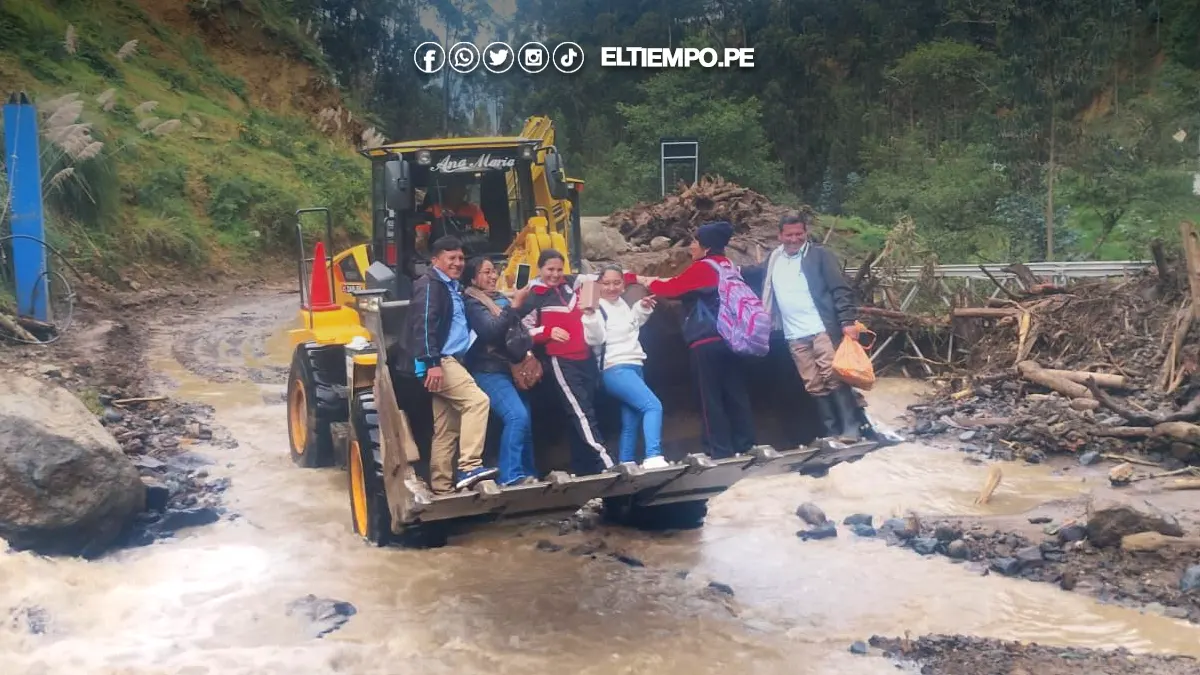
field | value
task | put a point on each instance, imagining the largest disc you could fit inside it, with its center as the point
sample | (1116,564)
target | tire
(673,516)
(370,515)
(313,404)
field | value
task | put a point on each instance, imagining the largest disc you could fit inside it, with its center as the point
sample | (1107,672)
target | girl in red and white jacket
(550,306)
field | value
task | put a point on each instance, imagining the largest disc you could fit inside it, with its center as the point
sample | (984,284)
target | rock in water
(859,519)
(903,528)
(66,488)
(1006,566)
(863,530)
(958,550)
(811,514)
(925,545)
(1113,517)
(1190,580)
(1071,532)
(823,531)
(324,615)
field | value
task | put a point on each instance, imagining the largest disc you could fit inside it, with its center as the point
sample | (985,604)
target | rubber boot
(847,408)
(829,425)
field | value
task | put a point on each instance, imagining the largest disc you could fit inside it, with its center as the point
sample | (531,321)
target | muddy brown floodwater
(214,600)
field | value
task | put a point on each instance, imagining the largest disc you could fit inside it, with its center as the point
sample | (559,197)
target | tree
(732,140)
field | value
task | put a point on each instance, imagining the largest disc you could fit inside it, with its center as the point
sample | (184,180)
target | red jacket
(558,307)
(696,287)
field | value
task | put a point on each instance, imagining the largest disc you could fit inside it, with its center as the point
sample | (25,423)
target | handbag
(526,369)
(527,373)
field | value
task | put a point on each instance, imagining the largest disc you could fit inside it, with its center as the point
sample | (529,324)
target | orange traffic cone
(320,295)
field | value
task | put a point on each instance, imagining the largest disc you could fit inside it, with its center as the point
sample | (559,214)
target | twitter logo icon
(498,57)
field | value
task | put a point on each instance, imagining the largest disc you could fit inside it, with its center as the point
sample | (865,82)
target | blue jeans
(516,439)
(626,384)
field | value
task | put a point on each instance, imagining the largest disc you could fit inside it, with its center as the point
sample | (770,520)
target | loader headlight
(528,152)
(424,157)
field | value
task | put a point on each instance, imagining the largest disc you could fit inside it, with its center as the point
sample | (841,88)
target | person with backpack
(808,298)
(501,343)
(613,330)
(552,315)
(709,327)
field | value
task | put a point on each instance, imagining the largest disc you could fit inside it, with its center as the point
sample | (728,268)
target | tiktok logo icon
(568,58)
(429,57)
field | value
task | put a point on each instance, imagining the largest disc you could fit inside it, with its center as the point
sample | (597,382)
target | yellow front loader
(354,400)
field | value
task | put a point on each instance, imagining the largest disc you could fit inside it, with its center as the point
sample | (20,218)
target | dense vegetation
(188,133)
(981,119)
(1005,129)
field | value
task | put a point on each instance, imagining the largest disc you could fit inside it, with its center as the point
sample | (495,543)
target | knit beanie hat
(715,235)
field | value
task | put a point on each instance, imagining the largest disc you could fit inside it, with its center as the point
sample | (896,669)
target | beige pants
(814,360)
(460,417)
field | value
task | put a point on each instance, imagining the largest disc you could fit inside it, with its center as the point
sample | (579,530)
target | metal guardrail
(1054,270)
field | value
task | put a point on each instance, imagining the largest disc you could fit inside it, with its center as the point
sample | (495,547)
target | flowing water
(214,600)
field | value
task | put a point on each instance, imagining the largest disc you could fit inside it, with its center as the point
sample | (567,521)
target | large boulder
(1111,517)
(66,488)
(600,242)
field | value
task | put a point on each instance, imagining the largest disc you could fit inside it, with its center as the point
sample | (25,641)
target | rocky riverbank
(104,417)
(962,655)
(1120,550)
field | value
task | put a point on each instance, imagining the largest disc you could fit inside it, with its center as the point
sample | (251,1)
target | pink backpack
(742,320)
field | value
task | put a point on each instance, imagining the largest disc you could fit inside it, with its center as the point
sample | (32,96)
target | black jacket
(429,318)
(827,284)
(490,352)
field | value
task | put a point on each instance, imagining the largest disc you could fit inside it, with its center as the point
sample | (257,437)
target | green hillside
(181,134)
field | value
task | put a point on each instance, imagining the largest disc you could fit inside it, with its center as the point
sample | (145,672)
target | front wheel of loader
(674,516)
(369,512)
(311,409)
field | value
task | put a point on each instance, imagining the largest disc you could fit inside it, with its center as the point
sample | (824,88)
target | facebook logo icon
(429,57)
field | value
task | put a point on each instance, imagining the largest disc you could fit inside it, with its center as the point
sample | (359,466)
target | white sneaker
(659,462)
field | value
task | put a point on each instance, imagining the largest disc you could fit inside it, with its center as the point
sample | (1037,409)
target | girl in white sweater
(613,333)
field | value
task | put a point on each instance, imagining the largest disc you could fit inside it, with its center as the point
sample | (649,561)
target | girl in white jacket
(613,332)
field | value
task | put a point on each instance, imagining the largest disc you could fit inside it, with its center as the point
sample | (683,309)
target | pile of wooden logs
(678,216)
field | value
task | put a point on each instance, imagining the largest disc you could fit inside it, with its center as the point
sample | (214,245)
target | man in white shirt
(809,300)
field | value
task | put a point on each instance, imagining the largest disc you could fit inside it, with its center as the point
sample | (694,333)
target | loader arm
(556,232)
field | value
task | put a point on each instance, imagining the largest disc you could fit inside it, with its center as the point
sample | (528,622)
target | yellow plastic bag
(852,364)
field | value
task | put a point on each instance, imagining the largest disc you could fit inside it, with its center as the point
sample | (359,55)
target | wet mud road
(216,599)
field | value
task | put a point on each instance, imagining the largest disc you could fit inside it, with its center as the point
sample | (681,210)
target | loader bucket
(784,418)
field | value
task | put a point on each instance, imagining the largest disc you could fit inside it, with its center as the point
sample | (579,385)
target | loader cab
(422,190)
